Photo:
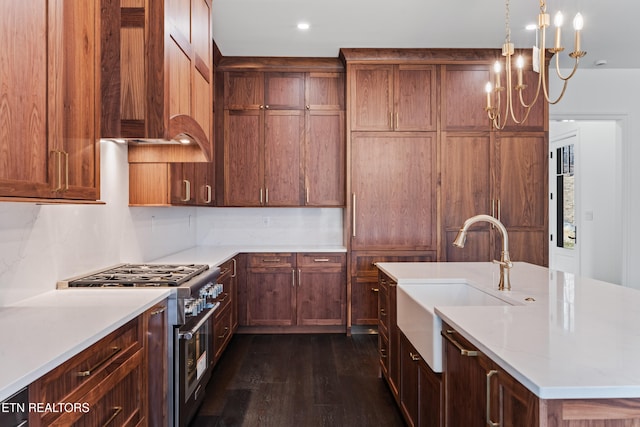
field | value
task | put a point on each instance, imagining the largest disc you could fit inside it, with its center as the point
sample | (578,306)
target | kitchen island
(564,338)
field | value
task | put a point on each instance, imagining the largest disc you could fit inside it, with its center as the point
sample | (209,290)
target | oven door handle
(187,335)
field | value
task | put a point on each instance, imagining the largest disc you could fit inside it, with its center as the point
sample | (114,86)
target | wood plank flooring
(298,380)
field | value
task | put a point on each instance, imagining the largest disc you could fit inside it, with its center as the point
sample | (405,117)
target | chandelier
(500,114)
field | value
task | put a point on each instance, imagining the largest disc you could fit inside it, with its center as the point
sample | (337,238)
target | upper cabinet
(284,137)
(158,85)
(49,147)
(399,97)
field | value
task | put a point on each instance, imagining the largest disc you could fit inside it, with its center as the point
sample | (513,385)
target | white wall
(612,94)
(40,244)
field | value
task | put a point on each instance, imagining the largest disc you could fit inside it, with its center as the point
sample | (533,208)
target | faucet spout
(505,261)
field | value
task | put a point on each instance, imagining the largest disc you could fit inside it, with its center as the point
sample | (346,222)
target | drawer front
(271,260)
(222,331)
(364,264)
(227,269)
(114,402)
(322,260)
(85,370)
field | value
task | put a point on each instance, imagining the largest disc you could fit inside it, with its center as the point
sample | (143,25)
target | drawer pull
(271,260)
(489,421)
(158,311)
(383,312)
(414,356)
(224,297)
(88,372)
(321,260)
(225,333)
(463,351)
(116,411)
(383,353)
(375,290)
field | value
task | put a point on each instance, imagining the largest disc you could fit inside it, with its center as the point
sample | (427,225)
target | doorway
(585,206)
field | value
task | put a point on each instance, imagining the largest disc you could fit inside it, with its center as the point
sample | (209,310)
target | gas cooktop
(140,275)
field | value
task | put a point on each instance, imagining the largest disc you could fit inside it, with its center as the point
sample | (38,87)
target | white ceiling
(268,27)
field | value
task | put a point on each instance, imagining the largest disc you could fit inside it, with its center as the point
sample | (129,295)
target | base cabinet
(478,392)
(113,381)
(301,290)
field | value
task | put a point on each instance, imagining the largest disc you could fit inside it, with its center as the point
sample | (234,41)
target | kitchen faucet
(505,261)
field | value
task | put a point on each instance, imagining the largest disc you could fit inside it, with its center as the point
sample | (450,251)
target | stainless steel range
(191,305)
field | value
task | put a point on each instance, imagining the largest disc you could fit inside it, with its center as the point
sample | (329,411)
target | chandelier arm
(575,68)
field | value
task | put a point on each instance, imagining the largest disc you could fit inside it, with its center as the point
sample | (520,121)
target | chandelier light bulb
(558,19)
(488,88)
(578,22)
(497,67)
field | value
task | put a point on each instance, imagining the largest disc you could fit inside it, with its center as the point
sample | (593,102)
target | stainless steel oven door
(193,364)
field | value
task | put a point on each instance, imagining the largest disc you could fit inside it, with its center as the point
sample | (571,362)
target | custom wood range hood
(157,79)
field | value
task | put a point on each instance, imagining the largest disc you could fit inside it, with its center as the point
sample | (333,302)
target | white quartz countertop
(216,255)
(42,332)
(579,338)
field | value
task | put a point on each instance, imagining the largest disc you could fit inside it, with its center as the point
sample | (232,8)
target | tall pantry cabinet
(423,157)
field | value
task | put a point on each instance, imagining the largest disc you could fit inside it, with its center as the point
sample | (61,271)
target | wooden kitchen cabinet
(171,184)
(49,142)
(301,290)
(501,174)
(393,185)
(156,332)
(283,139)
(393,97)
(110,377)
(160,84)
(225,320)
(420,388)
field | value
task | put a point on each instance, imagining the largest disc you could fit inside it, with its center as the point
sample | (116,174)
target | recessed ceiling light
(303,26)
(531,27)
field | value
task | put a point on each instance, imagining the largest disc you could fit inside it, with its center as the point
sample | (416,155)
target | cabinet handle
(266,196)
(116,411)
(224,298)
(391,120)
(261,196)
(375,290)
(383,312)
(208,199)
(306,195)
(299,278)
(463,351)
(88,372)
(383,353)
(187,190)
(66,168)
(489,375)
(498,209)
(270,259)
(58,155)
(235,268)
(293,277)
(353,211)
(414,356)
(225,333)
(158,311)
(321,260)
(397,121)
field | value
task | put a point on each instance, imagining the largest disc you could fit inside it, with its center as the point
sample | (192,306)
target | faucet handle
(506,264)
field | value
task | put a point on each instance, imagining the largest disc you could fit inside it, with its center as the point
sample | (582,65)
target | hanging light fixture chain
(507,22)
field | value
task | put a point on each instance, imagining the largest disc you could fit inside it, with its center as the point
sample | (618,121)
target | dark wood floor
(298,380)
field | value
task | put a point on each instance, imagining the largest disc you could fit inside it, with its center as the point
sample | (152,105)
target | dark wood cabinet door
(183,185)
(371,97)
(324,91)
(430,397)
(511,404)
(243,158)
(364,301)
(466,191)
(465,386)
(243,90)
(156,321)
(204,184)
(409,358)
(393,182)
(271,297)
(283,143)
(324,162)
(415,98)
(284,91)
(463,97)
(321,296)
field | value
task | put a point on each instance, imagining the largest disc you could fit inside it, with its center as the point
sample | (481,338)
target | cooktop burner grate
(140,275)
